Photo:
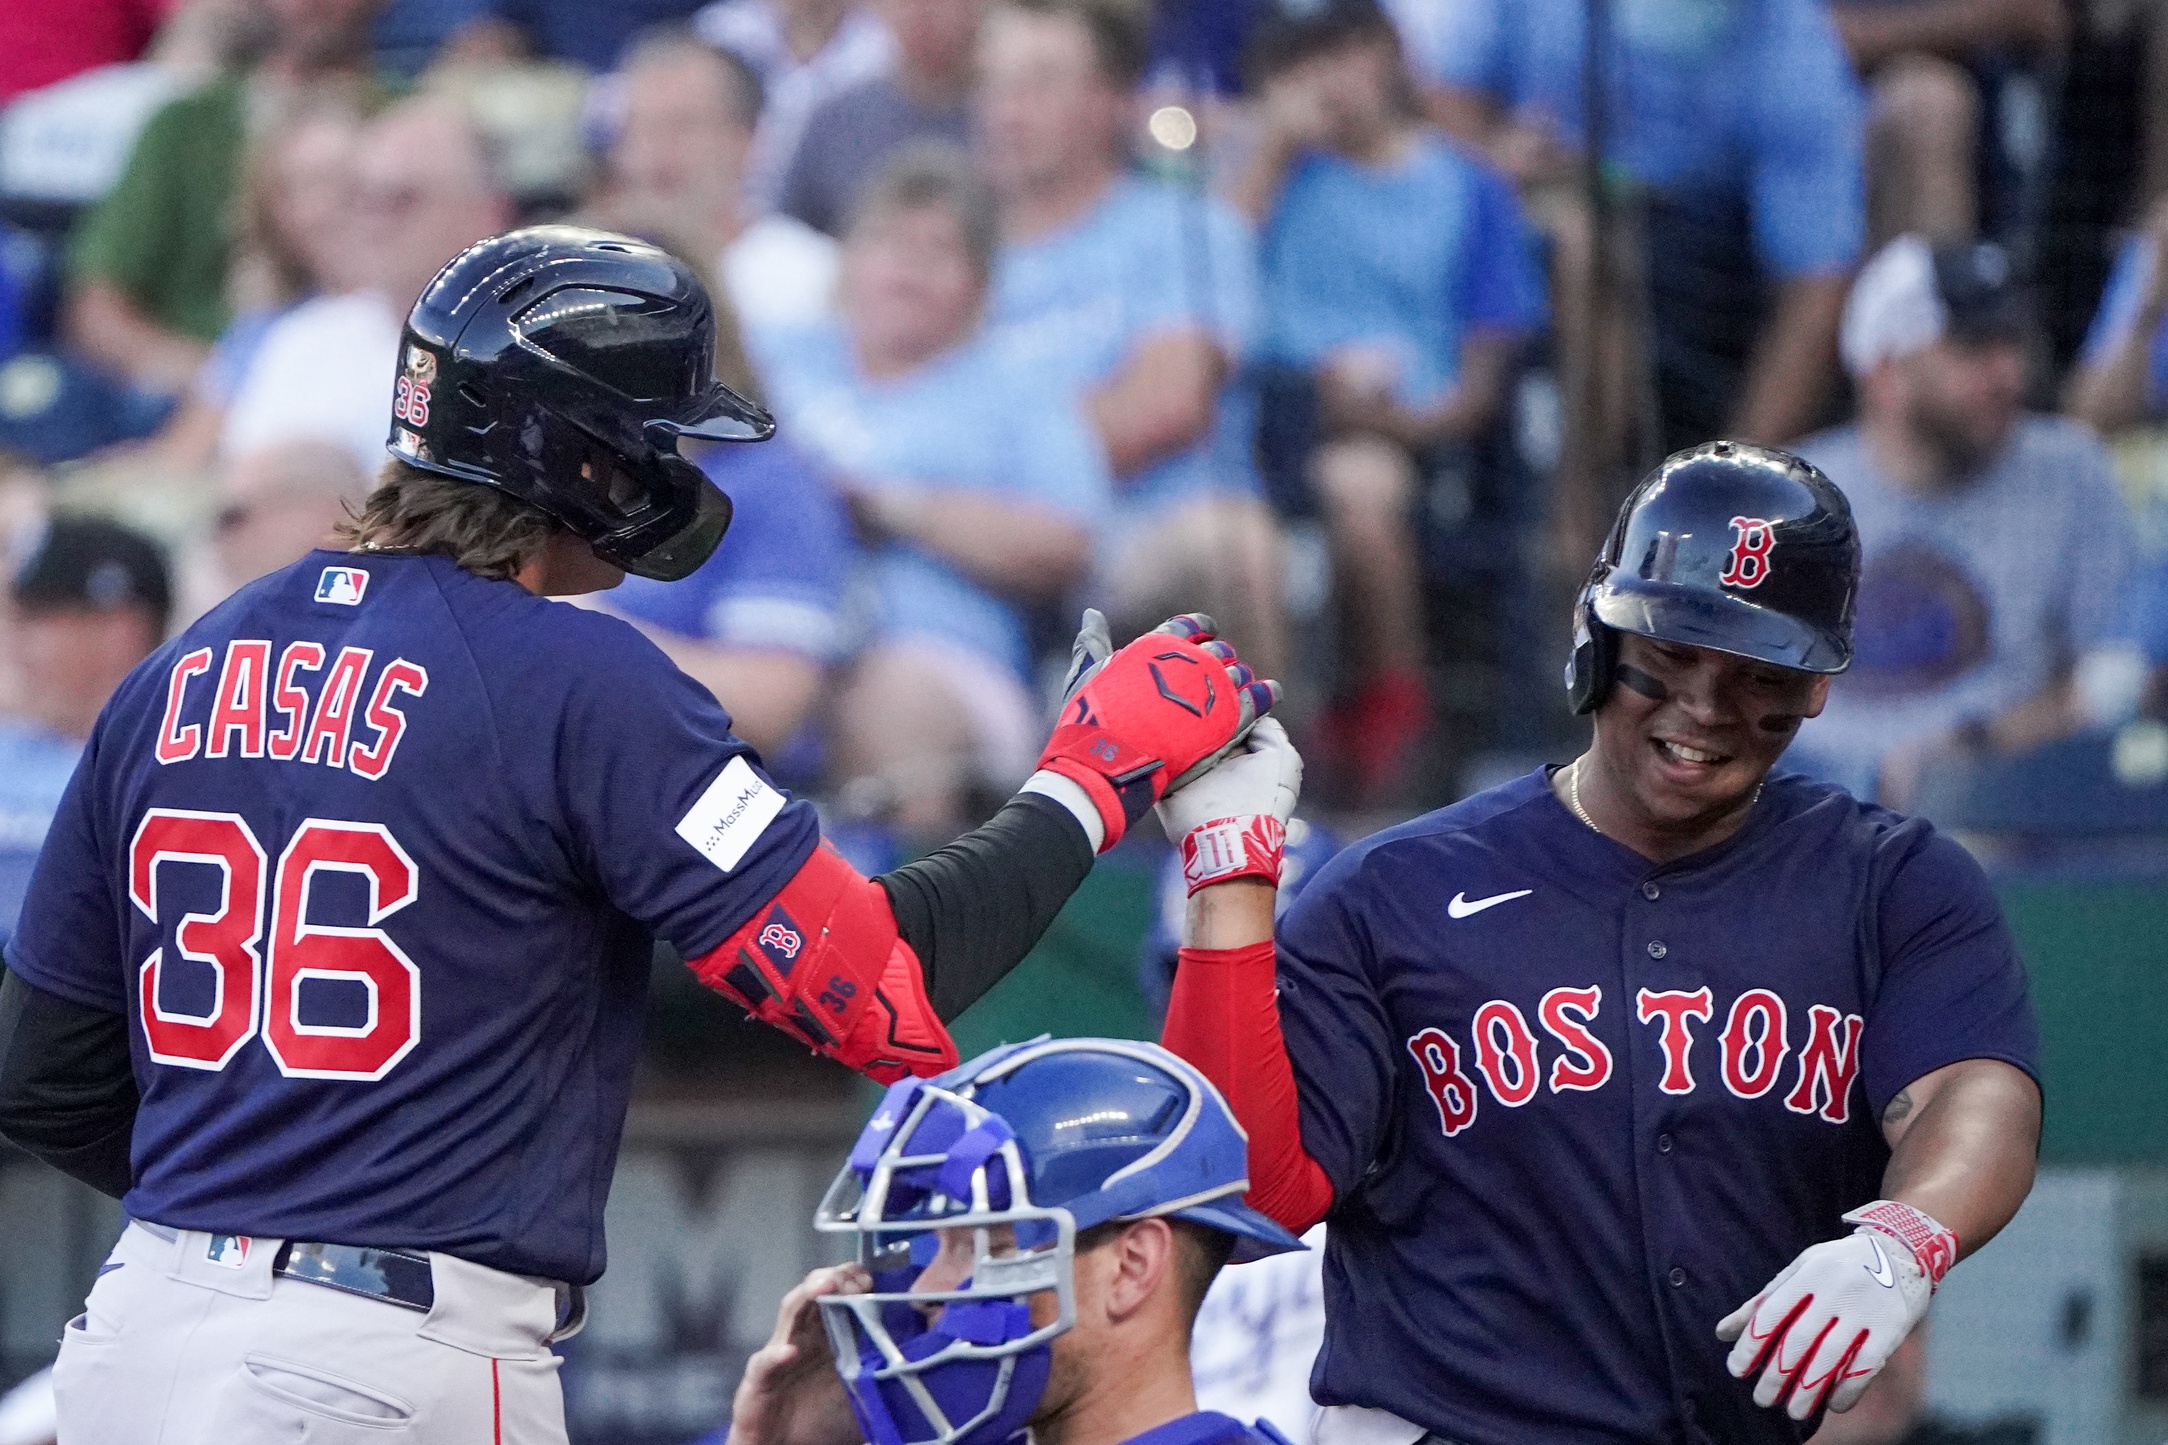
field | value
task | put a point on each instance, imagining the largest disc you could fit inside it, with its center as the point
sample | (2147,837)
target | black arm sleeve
(67,1089)
(973,910)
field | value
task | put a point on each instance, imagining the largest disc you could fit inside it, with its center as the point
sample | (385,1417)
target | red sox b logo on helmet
(1749,565)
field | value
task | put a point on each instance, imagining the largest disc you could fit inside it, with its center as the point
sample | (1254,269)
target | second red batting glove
(1136,722)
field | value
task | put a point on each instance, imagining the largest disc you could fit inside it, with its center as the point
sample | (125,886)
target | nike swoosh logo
(1460,907)
(1885,1276)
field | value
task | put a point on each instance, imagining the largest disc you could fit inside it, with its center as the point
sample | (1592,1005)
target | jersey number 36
(259,988)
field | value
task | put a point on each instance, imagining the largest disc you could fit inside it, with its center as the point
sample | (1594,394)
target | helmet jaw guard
(1727,546)
(563,366)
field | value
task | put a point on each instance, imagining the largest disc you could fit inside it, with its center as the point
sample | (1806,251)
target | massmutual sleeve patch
(731,815)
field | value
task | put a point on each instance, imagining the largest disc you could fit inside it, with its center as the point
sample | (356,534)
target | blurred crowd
(1347,321)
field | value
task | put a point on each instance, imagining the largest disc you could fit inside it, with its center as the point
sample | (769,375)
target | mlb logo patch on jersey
(343,585)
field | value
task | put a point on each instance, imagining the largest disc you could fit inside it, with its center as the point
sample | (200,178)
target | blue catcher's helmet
(1026,1146)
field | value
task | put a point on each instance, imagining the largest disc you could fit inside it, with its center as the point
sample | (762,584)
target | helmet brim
(1697,617)
(720,416)
(1256,1236)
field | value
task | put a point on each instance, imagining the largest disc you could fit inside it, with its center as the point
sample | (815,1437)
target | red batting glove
(1136,722)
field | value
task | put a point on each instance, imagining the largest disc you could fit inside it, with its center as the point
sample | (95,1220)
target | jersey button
(1663,1143)
(1651,892)
(1678,1277)
(1657,950)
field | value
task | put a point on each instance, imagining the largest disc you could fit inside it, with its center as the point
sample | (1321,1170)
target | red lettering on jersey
(1678,1036)
(225,939)
(239,707)
(1586,1064)
(1827,1065)
(335,708)
(1767,1040)
(390,723)
(301,950)
(291,700)
(1749,566)
(177,744)
(1450,1089)
(1516,1055)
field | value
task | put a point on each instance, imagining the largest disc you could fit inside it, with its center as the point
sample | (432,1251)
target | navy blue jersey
(1577,1106)
(373,857)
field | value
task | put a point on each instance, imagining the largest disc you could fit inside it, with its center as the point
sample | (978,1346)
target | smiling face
(1687,733)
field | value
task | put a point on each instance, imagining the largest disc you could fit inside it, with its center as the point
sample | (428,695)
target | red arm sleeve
(825,963)
(1224,1018)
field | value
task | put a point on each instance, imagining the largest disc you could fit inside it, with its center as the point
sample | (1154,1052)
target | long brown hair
(489,532)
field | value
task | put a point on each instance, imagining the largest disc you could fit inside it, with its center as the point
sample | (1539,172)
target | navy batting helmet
(1730,546)
(562,365)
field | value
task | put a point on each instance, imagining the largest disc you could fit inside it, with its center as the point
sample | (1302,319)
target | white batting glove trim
(1070,794)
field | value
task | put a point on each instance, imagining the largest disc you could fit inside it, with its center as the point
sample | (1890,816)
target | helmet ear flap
(1594,658)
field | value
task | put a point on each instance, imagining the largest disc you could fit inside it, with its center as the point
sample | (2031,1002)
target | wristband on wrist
(1932,1245)
(1242,847)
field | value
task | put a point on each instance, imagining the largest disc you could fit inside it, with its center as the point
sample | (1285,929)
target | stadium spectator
(761,622)
(1142,297)
(148,266)
(295,235)
(926,96)
(425,190)
(972,482)
(1997,547)
(1399,287)
(2121,379)
(90,602)
(589,33)
(1932,67)
(274,507)
(676,173)
(804,51)
(1752,190)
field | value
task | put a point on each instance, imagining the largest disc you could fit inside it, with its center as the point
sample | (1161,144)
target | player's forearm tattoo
(1899,1108)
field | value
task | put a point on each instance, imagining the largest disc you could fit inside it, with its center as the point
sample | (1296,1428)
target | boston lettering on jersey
(1754,1045)
(299,711)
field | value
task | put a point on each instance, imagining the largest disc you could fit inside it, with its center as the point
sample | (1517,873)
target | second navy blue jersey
(1577,1106)
(373,857)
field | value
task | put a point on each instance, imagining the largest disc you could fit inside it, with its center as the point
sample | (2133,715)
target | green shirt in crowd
(162,236)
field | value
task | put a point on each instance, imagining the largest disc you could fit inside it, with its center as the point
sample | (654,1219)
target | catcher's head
(1019,1213)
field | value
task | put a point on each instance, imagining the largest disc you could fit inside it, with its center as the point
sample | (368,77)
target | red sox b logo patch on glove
(1140,721)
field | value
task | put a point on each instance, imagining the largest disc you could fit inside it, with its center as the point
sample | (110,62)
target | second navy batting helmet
(1730,546)
(562,365)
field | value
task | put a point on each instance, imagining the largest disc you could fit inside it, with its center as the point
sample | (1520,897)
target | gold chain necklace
(1573,796)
